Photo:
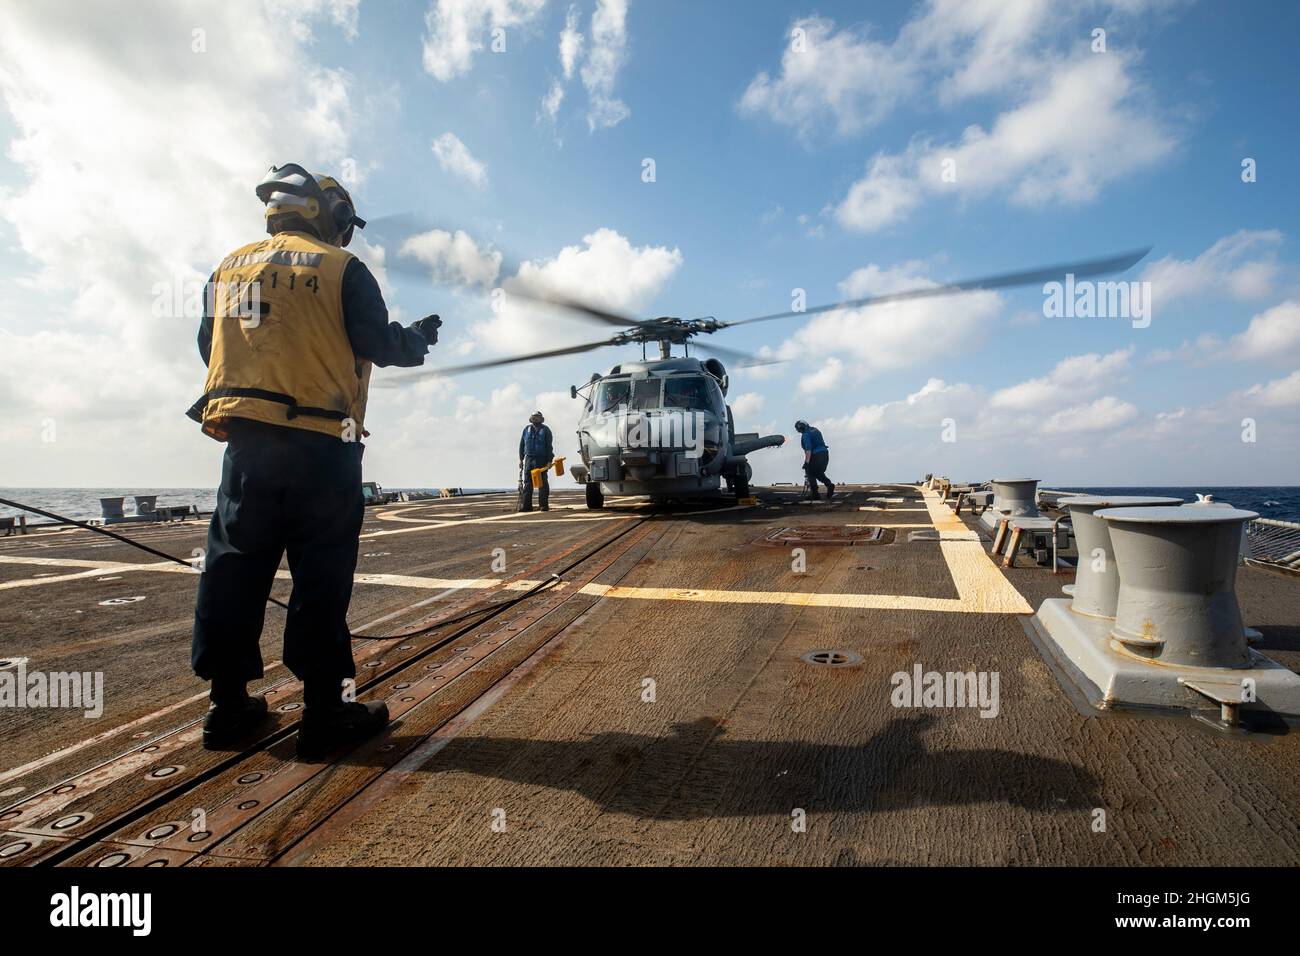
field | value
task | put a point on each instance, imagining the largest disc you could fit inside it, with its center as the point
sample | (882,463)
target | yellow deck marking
(978,580)
(866,602)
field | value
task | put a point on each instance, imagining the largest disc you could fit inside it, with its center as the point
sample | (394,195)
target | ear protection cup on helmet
(343,215)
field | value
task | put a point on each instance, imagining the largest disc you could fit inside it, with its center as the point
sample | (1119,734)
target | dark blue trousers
(544,492)
(282,490)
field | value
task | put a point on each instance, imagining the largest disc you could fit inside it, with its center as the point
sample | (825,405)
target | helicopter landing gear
(738,482)
(595,497)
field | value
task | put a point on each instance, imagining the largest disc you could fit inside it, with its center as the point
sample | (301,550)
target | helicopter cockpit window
(645,393)
(687,391)
(612,395)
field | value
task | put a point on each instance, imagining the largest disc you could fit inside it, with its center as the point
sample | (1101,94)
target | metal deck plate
(817,534)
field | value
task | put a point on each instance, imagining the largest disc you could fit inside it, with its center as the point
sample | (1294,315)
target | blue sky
(775,169)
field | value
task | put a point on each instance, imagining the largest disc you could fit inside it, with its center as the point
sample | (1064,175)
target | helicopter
(661,427)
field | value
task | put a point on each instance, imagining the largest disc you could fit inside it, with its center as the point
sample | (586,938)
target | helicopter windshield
(645,393)
(687,391)
(612,394)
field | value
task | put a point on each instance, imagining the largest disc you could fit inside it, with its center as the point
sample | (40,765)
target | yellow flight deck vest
(280,351)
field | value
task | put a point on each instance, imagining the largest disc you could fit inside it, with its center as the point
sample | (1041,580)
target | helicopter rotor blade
(507,275)
(739,358)
(1090,267)
(581,308)
(396,380)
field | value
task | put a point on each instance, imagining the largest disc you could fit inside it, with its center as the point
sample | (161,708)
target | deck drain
(831,658)
(113,859)
(831,534)
(161,832)
(13,849)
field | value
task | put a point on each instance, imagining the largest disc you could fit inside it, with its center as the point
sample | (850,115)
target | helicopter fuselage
(662,428)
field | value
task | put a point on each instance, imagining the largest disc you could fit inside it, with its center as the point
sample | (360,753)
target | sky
(686,159)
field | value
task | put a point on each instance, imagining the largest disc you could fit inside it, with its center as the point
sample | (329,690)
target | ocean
(83,503)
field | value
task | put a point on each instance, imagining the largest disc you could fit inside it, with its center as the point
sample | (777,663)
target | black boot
(327,727)
(232,717)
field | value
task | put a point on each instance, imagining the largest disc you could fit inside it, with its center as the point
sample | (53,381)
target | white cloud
(1104,414)
(844,76)
(951,50)
(454,157)
(553,99)
(570,43)
(823,378)
(924,409)
(454,259)
(1085,128)
(1273,334)
(444,435)
(101,225)
(457,30)
(605,271)
(746,407)
(894,334)
(605,57)
(1241,265)
(1071,379)
(1280,392)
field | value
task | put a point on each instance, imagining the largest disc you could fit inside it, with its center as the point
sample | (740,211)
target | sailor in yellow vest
(292,327)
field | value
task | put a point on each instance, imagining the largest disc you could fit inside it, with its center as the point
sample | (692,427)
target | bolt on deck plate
(825,534)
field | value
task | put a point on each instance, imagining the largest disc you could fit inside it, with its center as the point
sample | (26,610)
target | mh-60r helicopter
(661,427)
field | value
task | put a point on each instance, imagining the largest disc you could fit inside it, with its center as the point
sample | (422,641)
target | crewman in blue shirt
(535,451)
(816,456)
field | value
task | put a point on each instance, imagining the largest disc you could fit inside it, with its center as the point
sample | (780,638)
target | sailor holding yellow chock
(292,327)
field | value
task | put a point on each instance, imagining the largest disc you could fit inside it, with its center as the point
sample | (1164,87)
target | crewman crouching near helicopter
(536,450)
(816,456)
(292,327)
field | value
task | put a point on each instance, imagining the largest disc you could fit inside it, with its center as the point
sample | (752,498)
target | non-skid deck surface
(658,710)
